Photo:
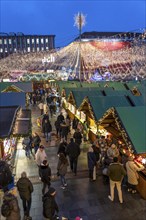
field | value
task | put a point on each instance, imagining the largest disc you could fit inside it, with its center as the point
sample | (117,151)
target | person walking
(40,157)
(50,207)
(27,146)
(62,169)
(73,151)
(91,158)
(36,141)
(45,171)
(10,208)
(47,128)
(78,137)
(116,172)
(25,189)
(132,174)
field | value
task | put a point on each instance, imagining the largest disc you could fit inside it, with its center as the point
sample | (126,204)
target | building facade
(20,43)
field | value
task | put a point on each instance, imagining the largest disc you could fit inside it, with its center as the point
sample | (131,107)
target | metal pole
(80,31)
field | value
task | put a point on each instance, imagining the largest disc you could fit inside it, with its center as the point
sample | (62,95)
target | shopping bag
(94,173)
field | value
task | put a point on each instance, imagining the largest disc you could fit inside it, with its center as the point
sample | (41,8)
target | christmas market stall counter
(7,141)
(141,187)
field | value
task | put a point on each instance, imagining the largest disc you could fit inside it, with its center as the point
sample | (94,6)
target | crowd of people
(103,154)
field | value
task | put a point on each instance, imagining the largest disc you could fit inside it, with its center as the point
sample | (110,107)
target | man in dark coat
(47,128)
(25,189)
(36,141)
(5,175)
(78,137)
(73,151)
(45,171)
(50,206)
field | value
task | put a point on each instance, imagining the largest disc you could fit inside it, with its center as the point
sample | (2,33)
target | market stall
(95,106)
(129,124)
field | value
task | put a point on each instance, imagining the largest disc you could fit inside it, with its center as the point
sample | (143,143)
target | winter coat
(91,157)
(132,174)
(62,149)
(47,127)
(73,150)
(45,173)
(25,188)
(40,156)
(49,206)
(15,210)
(36,141)
(62,167)
(5,174)
(60,118)
(78,137)
(116,172)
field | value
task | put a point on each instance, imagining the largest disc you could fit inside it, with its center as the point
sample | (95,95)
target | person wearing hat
(40,156)
(132,174)
(50,207)
(45,175)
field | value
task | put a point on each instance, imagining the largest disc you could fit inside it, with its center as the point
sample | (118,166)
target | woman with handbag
(132,174)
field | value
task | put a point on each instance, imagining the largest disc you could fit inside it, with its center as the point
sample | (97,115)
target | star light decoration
(80,20)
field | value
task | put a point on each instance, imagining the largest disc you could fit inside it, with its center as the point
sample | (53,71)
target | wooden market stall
(130,126)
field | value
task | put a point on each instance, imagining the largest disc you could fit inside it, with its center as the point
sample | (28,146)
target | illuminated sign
(49,59)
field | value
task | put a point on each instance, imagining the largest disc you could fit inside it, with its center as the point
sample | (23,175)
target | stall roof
(12,99)
(101,104)
(80,95)
(7,117)
(134,122)
(138,100)
(23,123)
(23,86)
(113,84)
(83,90)
(117,92)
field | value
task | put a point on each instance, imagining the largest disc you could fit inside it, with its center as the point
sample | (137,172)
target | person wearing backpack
(25,189)
(10,208)
(6,176)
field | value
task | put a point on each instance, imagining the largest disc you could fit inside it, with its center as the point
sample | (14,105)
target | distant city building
(109,35)
(20,43)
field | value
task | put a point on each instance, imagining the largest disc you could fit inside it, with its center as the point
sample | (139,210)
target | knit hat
(51,190)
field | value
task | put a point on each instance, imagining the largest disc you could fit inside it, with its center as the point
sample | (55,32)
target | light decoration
(119,125)
(128,62)
(79,20)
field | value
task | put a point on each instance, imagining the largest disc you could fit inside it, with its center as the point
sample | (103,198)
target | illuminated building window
(0,41)
(5,41)
(38,49)
(28,41)
(28,49)
(37,40)
(1,50)
(32,40)
(6,50)
(47,48)
(42,40)
(10,41)
(42,48)
(46,40)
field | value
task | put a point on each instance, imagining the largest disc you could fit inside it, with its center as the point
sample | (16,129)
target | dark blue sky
(56,17)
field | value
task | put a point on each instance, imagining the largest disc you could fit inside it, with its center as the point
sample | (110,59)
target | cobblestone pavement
(88,200)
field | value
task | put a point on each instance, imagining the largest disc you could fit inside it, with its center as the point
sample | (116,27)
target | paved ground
(81,197)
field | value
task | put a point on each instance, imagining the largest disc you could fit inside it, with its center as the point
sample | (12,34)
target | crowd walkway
(81,197)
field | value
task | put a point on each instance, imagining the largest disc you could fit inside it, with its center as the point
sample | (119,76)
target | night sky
(57,17)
